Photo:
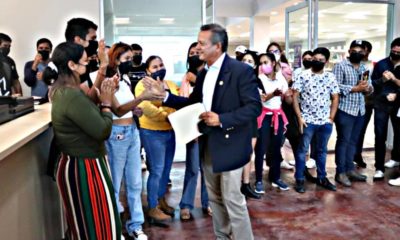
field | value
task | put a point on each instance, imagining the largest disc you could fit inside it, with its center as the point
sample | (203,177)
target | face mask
(92,48)
(159,74)
(356,57)
(277,56)
(45,54)
(266,68)
(394,56)
(93,66)
(124,67)
(137,59)
(239,57)
(317,66)
(250,64)
(5,51)
(194,62)
(307,64)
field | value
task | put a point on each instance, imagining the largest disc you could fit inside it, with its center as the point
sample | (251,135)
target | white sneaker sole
(277,186)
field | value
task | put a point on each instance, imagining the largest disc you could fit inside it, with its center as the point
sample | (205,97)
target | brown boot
(163,205)
(155,214)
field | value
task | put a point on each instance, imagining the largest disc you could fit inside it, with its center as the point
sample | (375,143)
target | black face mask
(92,48)
(125,67)
(93,66)
(239,57)
(159,74)
(394,57)
(356,57)
(137,59)
(45,54)
(5,51)
(307,64)
(194,62)
(317,66)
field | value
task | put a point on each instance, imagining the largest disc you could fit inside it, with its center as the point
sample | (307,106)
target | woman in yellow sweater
(158,140)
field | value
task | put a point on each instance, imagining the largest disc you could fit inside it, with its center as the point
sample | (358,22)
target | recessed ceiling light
(273,13)
(348,3)
(167,20)
(121,20)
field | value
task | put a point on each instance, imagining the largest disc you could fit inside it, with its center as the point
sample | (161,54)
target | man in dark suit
(228,90)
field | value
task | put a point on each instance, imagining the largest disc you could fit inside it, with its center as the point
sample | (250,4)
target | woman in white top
(123,146)
(271,122)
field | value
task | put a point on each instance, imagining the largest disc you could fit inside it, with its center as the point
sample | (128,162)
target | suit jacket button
(227,136)
(221,83)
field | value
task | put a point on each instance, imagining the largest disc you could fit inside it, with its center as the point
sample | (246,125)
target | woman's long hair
(59,76)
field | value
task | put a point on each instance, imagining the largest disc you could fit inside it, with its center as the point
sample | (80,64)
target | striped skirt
(88,198)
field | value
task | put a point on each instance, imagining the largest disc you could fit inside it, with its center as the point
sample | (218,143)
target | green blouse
(79,126)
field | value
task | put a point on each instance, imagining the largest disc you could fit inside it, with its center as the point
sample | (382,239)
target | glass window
(163,28)
(298,35)
(338,27)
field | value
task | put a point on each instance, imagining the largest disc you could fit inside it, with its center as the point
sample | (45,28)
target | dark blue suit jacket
(237,102)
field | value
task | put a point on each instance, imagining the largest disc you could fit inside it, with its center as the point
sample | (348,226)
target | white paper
(184,122)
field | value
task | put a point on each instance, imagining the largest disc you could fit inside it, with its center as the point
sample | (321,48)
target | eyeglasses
(395,52)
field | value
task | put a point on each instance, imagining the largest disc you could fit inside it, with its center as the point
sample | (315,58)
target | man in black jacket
(386,88)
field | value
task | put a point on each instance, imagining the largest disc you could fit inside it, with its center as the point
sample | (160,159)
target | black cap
(357,43)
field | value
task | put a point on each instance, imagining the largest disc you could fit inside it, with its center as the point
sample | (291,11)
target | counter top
(18,132)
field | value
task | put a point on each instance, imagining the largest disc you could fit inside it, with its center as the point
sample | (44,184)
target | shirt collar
(217,64)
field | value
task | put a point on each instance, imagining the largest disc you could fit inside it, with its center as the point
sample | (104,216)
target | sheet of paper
(184,122)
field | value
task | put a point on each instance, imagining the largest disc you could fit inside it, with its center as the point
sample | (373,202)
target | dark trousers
(368,113)
(381,119)
(266,138)
(348,129)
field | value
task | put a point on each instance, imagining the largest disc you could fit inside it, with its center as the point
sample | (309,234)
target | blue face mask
(159,74)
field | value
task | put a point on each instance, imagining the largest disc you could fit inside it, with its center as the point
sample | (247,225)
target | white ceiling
(157,17)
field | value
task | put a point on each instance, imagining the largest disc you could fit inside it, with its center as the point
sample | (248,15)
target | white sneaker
(138,235)
(286,165)
(391,164)
(292,162)
(311,163)
(379,175)
(395,182)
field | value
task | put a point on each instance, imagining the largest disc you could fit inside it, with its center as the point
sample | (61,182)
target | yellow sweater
(155,116)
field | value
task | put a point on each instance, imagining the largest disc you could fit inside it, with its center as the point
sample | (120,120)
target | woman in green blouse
(80,128)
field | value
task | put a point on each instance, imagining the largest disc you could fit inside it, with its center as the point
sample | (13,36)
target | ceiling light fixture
(121,20)
(274,13)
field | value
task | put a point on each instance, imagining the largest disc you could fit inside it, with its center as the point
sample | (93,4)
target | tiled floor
(366,211)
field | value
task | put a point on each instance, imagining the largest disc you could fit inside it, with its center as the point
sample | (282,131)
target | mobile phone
(365,75)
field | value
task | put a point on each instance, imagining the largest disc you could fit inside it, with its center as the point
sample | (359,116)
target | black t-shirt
(6,78)
(136,74)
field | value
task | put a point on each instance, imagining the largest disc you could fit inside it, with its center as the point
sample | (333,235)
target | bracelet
(103,107)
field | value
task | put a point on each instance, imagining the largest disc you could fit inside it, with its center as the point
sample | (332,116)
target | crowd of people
(107,104)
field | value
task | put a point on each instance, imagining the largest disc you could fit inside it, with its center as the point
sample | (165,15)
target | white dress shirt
(210,80)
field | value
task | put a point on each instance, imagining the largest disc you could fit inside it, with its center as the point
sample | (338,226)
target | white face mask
(250,64)
(277,56)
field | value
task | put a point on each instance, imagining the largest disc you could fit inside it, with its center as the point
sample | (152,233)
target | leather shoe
(247,191)
(355,176)
(343,179)
(300,186)
(309,177)
(360,161)
(324,182)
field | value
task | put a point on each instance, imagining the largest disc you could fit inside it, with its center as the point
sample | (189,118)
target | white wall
(26,21)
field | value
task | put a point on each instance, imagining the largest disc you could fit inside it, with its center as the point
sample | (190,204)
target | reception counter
(29,201)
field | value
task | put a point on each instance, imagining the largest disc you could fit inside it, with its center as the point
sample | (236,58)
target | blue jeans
(123,148)
(191,175)
(319,134)
(160,151)
(348,129)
